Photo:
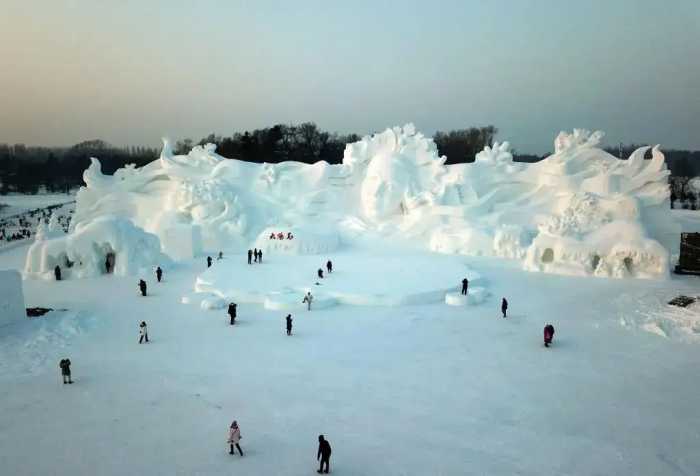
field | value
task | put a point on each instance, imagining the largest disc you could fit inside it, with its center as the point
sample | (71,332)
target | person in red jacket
(548,334)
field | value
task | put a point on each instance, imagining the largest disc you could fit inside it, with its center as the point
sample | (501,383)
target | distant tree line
(27,169)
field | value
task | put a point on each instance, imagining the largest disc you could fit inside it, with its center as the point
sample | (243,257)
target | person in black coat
(259,256)
(504,307)
(65,370)
(329,266)
(289,324)
(159,274)
(320,273)
(209,261)
(324,454)
(142,287)
(57,272)
(465,286)
(232,312)
(250,256)
(255,255)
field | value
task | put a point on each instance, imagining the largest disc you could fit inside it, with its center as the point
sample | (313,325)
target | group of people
(329,268)
(281,236)
(254,256)
(23,225)
(323,455)
(143,287)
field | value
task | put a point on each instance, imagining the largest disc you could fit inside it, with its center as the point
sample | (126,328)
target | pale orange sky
(131,72)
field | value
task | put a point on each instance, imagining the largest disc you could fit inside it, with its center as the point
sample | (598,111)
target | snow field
(413,390)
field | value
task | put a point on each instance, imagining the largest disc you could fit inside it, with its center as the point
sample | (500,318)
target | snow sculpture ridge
(578,211)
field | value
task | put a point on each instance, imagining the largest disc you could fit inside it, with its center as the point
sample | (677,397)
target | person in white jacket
(234,436)
(307,299)
(143,330)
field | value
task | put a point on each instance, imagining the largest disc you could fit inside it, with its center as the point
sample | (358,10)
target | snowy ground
(17,203)
(688,219)
(409,390)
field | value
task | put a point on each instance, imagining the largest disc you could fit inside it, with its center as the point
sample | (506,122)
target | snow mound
(290,300)
(85,251)
(653,314)
(476,296)
(358,278)
(579,211)
(212,303)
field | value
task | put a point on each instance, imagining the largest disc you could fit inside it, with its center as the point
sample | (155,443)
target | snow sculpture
(399,169)
(85,251)
(579,211)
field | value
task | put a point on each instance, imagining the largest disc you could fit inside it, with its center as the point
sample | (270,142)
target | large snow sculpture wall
(579,211)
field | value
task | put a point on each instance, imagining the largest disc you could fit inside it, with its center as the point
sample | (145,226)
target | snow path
(412,390)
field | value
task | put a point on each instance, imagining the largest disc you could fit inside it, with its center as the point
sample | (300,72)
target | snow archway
(90,247)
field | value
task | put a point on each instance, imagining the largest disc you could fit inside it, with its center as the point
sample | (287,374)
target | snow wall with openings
(579,211)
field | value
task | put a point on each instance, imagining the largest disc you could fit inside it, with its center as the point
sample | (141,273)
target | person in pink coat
(234,436)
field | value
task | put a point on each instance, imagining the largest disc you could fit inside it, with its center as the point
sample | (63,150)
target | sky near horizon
(130,72)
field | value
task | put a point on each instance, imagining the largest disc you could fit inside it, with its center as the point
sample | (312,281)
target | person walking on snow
(143,330)
(548,334)
(65,370)
(307,299)
(221,256)
(465,286)
(57,272)
(324,454)
(250,256)
(159,274)
(259,256)
(504,307)
(320,273)
(142,287)
(234,436)
(289,324)
(329,267)
(209,261)
(255,255)
(232,312)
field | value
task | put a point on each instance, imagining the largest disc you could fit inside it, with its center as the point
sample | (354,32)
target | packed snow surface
(12,308)
(414,389)
(580,211)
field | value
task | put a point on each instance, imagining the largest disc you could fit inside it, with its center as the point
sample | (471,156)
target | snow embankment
(358,278)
